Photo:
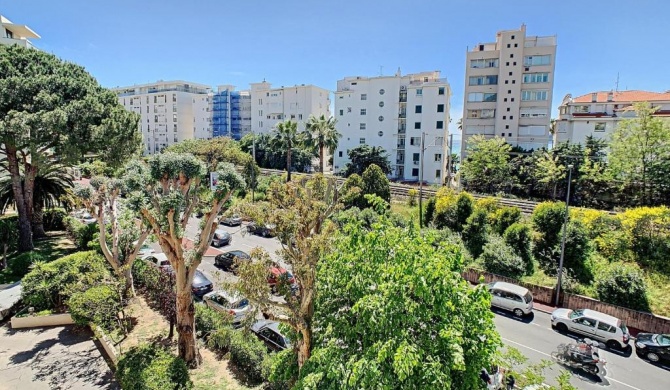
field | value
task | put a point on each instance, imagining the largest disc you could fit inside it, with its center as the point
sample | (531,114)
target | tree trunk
(128,276)
(553,197)
(188,349)
(171,334)
(38,222)
(3,265)
(322,158)
(304,346)
(25,242)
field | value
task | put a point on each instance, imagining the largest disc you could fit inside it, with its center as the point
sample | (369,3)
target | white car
(592,324)
(232,304)
(159,260)
(511,297)
(87,218)
(145,250)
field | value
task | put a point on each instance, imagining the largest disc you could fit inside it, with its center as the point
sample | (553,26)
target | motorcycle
(583,355)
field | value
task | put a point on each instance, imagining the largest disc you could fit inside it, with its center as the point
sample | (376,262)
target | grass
(54,246)
(658,293)
(405,211)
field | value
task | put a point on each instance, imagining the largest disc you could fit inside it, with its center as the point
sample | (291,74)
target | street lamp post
(565,225)
(423,148)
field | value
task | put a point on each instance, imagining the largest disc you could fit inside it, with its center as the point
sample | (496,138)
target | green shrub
(475,232)
(622,285)
(80,232)
(454,212)
(246,351)
(429,213)
(20,265)
(649,230)
(614,245)
(375,182)
(577,249)
(100,305)
(505,217)
(280,369)
(519,236)
(548,220)
(352,192)
(54,219)
(499,258)
(412,195)
(151,367)
(208,320)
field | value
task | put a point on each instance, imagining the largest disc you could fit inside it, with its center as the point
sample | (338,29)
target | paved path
(60,358)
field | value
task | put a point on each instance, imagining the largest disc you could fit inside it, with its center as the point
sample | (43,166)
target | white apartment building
(598,113)
(393,112)
(270,106)
(171,111)
(16,34)
(508,89)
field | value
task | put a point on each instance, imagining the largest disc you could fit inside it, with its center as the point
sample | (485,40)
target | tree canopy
(361,157)
(212,151)
(486,167)
(322,137)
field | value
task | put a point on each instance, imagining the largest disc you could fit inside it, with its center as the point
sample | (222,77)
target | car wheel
(518,312)
(652,357)
(561,327)
(613,344)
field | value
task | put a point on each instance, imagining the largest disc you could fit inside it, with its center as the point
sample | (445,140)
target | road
(536,340)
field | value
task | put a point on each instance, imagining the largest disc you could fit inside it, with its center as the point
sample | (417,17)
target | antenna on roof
(616,88)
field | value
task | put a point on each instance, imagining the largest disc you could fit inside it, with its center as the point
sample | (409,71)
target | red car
(277,275)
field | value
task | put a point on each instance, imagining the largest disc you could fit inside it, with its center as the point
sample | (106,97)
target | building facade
(270,106)
(170,111)
(16,34)
(394,112)
(597,114)
(232,112)
(508,89)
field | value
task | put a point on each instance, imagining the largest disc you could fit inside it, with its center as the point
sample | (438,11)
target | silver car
(592,324)
(232,304)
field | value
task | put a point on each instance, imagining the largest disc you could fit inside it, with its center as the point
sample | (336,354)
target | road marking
(545,354)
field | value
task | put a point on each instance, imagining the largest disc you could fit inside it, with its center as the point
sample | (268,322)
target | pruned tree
(165,192)
(121,236)
(300,211)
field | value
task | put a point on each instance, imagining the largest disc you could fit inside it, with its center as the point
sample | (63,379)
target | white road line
(545,354)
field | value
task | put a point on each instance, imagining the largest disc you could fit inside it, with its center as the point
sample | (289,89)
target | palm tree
(320,134)
(53,185)
(460,124)
(286,137)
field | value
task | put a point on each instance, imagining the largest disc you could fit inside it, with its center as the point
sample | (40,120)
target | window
(482,114)
(381,91)
(417,109)
(484,63)
(417,125)
(381,118)
(174,108)
(508,45)
(415,171)
(533,95)
(416,157)
(380,133)
(364,96)
(536,60)
(341,112)
(440,91)
(439,125)
(348,109)
(155,118)
(299,116)
(483,80)
(415,141)
(362,126)
(439,141)
(419,92)
(174,127)
(606,327)
(511,117)
(363,111)
(482,97)
(339,154)
(504,117)
(361,141)
(589,322)
(174,98)
(381,104)
(536,77)
(438,157)
(440,108)
(599,126)
(581,109)
(437,173)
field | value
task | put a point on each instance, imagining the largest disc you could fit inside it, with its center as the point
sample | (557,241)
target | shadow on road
(627,352)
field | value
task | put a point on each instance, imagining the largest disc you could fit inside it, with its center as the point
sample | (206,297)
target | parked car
(268,332)
(227,260)
(159,260)
(144,250)
(201,285)
(231,304)
(221,238)
(653,347)
(87,218)
(265,230)
(277,275)
(511,297)
(592,324)
(233,220)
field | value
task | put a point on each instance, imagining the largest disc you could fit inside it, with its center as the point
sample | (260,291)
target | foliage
(412,194)
(285,136)
(376,183)
(622,285)
(640,155)
(475,232)
(159,288)
(50,285)
(404,283)
(152,367)
(246,351)
(96,168)
(251,173)
(519,237)
(429,212)
(486,167)
(549,172)
(54,219)
(321,136)
(452,211)
(505,217)
(99,304)
(352,192)
(8,237)
(81,233)
(212,151)
(361,157)
(208,320)
(548,219)
(270,157)
(500,258)
(280,370)
(649,232)
(21,264)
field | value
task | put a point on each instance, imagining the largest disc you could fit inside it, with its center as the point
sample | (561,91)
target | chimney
(610,96)
(594,97)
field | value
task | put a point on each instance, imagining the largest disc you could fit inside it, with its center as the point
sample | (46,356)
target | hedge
(100,305)
(151,367)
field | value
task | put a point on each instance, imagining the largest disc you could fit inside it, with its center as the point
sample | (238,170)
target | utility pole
(449,162)
(565,225)
(423,148)
(253,155)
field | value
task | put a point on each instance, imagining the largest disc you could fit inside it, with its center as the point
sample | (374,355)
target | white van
(592,324)
(511,297)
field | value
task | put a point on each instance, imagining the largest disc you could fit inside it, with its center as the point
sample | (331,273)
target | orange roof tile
(625,96)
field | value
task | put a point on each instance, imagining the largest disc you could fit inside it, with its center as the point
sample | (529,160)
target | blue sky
(286,42)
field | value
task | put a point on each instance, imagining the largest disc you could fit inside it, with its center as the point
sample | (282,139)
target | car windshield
(576,314)
(199,277)
(623,328)
(663,339)
(528,297)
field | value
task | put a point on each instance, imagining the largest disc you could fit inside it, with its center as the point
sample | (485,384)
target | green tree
(640,154)
(486,167)
(622,285)
(164,193)
(376,183)
(500,258)
(519,237)
(549,172)
(352,192)
(251,173)
(212,151)
(120,234)
(321,135)
(8,236)
(366,338)
(475,232)
(269,157)
(361,157)
(285,137)
(53,109)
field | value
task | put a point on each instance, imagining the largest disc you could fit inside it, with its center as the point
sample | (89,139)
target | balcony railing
(402,114)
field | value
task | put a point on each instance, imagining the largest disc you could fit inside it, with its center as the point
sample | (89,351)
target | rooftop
(623,96)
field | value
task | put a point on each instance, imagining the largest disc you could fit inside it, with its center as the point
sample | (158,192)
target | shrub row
(82,234)
(152,367)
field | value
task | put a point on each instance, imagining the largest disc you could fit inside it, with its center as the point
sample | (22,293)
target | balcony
(415,162)
(400,162)
(20,42)
(400,147)
(403,97)
(402,114)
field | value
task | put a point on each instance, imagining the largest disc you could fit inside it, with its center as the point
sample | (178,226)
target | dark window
(415,157)
(508,45)
(341,112)
(512,99)
(417,109)
(512,36)
(440,108)
(506,127)
(415,171)
(340,154)
(514,63)
(513,81)
(511,117)
(516,45)
(506,81)
(506,63)
(504,117)
(439,124)
(417,125)
(505,99)
(510,73)
(511,55)
(510,134)
(508,109)
(509,91)
(440,91)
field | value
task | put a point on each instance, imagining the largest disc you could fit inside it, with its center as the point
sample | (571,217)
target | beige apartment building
(16,34)
(508,89)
